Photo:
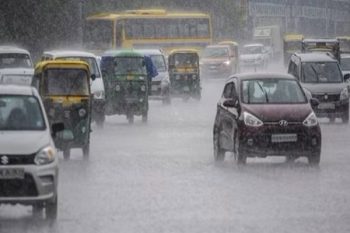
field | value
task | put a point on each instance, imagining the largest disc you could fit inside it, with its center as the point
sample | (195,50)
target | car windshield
(20,112)
(272,91)
(159,62)
(129,66)
(321,72)
(66,82)
(185,59)
(345,64)
(252,50)
(90,60)
(212,52)
(15,60)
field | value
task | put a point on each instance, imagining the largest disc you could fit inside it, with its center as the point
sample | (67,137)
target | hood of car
(277,112)
(20,76)
(23,142)
(250,56)
(329,88)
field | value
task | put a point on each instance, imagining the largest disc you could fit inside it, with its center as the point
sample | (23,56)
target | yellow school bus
(152,28)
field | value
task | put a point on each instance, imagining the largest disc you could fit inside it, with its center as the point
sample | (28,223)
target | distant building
(322,18)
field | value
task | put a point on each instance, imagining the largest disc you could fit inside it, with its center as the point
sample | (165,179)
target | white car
(16,66)
(254,55)
(97,87)
(160,88)
(28,157)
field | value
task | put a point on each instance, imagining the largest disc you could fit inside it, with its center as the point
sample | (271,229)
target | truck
(271,37)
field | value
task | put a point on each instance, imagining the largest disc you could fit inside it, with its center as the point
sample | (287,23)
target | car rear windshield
(272,91)
(321,72)
(20,112)
(15,60)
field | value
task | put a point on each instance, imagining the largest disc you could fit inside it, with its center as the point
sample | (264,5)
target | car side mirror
(231,103)
(57,127)
(93,77)
(347,77)
(314,102)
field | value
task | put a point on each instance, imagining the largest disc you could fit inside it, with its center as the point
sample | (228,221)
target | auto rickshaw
(344,44)
(184,73)
(331,46)
(127,76)
(291,43)
(64,87)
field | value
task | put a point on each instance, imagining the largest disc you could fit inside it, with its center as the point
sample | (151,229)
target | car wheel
(240,157)
(66,153)
(314,159)
(144,117)
(38,210)
(51,209)
(345,117)
(86,151)
(130,117)
(219,154)
(100,119)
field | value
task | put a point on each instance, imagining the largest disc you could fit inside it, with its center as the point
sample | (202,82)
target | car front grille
(327,97)
(17,159)
(18,187)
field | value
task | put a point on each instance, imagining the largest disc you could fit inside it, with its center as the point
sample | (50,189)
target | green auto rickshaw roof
(123,53)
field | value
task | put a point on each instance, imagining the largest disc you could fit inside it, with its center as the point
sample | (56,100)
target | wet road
(160,177)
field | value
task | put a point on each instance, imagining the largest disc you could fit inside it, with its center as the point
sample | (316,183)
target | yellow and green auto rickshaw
(127,76)
(184,74)
(64,87)
(292,43)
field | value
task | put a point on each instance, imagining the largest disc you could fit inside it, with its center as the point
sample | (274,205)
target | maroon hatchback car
(262,115)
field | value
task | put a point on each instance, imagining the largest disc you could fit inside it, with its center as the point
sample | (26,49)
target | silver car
(28,157)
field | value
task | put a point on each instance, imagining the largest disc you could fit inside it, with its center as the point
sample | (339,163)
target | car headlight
(143,88)
(227,63)
(117,88)
(82,112)
(311,120)
(45,156)
(251,120)
(99,95)
(344,94)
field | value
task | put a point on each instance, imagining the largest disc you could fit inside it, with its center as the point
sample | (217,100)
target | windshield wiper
(314,70)
(263,90)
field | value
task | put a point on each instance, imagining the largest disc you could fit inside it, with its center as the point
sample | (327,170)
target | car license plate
(155,88)
(11,173)
(326,106)
(275,138)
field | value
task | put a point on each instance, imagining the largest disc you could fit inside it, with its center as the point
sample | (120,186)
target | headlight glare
(227,63)
(251,120)
(117,88)
(45,156)
(311,120)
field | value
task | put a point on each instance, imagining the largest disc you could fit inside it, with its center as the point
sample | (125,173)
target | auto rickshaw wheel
(86,151)
(66,153)
(145,117)
(130,118)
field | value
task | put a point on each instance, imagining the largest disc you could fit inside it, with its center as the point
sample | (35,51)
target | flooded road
(161,177)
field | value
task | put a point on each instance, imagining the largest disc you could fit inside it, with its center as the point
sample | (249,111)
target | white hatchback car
(16,66)
(28,157)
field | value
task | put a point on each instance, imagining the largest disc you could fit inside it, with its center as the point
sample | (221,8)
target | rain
(153,168)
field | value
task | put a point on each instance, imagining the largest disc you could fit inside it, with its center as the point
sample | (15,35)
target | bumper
(42,185)
(159,91)
(332,109)
(260,143)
